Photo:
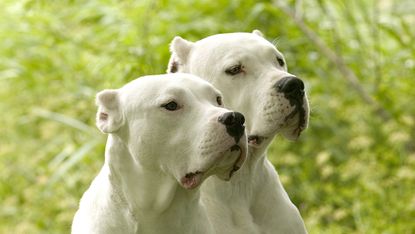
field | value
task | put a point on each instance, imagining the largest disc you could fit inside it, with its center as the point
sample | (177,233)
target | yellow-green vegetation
(352,171)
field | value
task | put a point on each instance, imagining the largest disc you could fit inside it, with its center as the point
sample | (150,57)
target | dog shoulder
(90,218)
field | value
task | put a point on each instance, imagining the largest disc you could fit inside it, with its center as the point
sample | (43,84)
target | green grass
(352,171)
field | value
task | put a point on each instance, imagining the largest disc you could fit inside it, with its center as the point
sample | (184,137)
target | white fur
(256,201)
(142,187)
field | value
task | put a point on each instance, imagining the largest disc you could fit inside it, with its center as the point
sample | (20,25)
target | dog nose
(291,86)
(234,122)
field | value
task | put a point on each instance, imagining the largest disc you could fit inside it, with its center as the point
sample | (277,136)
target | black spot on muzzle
(234,122)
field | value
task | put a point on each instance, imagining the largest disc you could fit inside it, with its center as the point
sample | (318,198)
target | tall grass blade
(72,160)
(64,119)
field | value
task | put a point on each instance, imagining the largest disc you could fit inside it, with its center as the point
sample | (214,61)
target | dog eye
(219,100)
(171,106)
(234,70)
(280,61)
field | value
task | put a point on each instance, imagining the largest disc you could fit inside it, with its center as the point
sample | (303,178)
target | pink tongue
(191,180)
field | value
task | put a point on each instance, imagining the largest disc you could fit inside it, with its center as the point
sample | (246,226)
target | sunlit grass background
(352,171)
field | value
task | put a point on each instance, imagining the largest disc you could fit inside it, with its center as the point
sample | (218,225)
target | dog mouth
(299,111)
(256,140)
(193,179)
(294,130)
(295,124)
(238,163)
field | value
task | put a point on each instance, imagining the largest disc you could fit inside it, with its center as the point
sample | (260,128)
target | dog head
(252,75)
(175,123)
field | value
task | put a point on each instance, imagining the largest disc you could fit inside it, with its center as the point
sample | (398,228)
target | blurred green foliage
(352,171)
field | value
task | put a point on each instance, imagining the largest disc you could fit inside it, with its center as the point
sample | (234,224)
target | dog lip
(236,165)
(192,179)
(299,126)
(297,131)
(190,174)
(255,140)
(235,147)
(187,180)
(234,169)
(300,111)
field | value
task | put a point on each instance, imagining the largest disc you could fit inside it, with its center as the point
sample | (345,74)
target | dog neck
(151,196)
(253,166)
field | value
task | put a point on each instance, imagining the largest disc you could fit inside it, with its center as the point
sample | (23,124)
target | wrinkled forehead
(234,44)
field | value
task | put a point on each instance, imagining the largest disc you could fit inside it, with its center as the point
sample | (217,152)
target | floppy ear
(258,33)
(180,49)
(109,115)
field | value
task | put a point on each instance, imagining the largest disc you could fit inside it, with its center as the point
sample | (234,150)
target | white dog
(167,134)
(252,75)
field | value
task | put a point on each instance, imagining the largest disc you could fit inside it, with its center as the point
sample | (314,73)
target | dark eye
(171,106)
(234,70)
(219,100)
(280,61)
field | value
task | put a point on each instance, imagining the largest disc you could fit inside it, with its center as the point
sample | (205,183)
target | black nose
(291,86)
(234,122)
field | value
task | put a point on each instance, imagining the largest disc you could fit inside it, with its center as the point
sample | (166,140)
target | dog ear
(173,66)
(258,33)
(180,49)
(109,116)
